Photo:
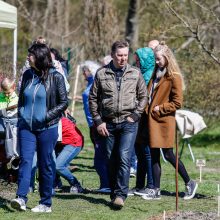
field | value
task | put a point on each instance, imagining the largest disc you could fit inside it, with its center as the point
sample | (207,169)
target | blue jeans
(31,141)
(144,166)
(63,160)
(119,146)
(134,160)
(100,162)
(35,166)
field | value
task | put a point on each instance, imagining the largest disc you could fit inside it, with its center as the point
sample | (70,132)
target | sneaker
(152,194)
(191,188)
(41,208)
(118,202)
(142,192)
(18,204)
(133,172)
(103,190)
(132,191)
(76,189)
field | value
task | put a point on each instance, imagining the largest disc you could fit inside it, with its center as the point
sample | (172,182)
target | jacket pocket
(155,115)
(107,106)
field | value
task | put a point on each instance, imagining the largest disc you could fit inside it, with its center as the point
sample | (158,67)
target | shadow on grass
(3,204)
(82,170)
(81,166)
(85,197)
(181,195)
(85,158)
(88,198)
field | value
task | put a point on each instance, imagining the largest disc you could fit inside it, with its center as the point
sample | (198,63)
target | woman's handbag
(2,128)
(11,144)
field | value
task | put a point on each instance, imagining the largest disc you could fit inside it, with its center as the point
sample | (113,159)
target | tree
(101,27)
(132,27)
(206,21)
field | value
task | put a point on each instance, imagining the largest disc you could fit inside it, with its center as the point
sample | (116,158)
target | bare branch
(194,32)
(198,38)
(207,9)
(185,44)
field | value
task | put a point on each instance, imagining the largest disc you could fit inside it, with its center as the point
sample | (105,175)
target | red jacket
(71,135)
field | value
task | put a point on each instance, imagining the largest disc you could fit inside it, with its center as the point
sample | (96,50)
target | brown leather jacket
(107,103)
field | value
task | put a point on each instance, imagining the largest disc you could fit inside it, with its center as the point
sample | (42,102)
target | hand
(129,119)
(156,108)
(66,112)
(102,130)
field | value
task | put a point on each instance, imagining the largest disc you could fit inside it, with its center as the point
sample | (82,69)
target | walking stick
(176,173)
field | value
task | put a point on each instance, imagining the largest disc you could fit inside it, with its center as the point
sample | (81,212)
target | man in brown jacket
(117,98)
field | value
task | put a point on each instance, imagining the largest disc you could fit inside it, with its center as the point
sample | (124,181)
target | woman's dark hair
(57,54)
(43,60)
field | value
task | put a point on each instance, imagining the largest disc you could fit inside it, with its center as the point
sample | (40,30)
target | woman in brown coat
(165,97)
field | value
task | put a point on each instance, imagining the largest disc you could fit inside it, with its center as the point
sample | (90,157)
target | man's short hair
(119,44)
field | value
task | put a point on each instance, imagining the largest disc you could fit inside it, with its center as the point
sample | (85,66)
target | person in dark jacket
(145,60)
(42,100)
(64,63)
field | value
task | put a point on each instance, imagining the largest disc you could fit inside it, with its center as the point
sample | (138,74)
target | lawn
(91,206)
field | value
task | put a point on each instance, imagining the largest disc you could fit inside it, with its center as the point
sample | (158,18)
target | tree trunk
(131,34)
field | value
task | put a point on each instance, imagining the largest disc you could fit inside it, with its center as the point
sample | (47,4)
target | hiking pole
(176,173)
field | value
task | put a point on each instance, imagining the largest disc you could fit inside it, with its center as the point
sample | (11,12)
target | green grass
(94,206)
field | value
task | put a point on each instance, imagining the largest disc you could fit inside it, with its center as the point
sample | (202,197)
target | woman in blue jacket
(42,100)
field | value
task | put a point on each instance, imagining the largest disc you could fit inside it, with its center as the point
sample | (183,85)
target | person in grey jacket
(117,98)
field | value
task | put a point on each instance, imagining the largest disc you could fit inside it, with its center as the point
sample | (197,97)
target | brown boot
(118,202)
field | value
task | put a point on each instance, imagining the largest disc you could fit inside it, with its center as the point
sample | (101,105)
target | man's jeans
(119,146)
(63,161)
(144,166)
(44,142)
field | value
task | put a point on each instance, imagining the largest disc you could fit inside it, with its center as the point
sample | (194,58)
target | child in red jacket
(71,145)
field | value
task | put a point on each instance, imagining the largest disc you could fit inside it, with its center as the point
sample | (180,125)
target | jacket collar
(126,68)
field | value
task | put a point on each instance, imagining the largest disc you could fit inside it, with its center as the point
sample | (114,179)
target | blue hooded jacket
(147,62)
(85,97)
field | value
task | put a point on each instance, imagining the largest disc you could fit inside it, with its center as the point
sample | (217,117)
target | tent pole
(15,53)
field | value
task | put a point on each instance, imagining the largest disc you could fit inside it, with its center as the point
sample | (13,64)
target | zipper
(33,101)
(118,88)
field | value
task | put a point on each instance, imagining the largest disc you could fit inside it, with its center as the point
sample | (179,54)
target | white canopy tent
(8,19)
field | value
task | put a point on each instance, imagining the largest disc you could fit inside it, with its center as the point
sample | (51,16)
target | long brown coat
(168,96)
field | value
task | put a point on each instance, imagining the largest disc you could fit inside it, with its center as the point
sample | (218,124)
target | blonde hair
(172,65)
(7,84)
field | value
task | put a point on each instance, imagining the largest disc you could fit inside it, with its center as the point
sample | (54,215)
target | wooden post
(75,89)
(176,173)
